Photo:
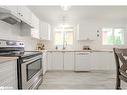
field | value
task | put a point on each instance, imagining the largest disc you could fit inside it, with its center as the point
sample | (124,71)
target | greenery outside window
(113,36)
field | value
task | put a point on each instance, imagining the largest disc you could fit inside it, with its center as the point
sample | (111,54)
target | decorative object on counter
(56,47)
(40,46)
(86,48)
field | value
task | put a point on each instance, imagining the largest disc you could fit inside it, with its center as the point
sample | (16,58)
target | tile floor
(79,80)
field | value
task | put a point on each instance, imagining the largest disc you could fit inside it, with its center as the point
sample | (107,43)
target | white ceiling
(54,14)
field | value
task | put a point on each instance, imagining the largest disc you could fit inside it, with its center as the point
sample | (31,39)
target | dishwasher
(82,61)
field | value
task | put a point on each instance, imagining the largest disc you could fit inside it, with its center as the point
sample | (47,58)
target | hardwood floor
(79,80)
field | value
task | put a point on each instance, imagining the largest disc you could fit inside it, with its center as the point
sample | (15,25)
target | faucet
(64,47)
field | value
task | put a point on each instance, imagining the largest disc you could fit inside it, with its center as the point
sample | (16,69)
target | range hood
(7,16)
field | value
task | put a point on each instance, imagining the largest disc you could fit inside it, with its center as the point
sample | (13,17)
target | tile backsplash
(12,32)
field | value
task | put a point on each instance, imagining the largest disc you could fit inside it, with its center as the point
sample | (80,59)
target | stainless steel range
(29,63)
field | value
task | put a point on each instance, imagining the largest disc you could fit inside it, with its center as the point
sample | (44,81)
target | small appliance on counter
(29,63)
(86,48)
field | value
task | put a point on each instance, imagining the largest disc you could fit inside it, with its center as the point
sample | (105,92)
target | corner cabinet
(86,31)
(45,30)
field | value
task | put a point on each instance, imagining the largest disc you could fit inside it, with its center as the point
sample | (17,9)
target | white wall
(12,32)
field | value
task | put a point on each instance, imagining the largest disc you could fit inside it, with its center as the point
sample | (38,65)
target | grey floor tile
(79,80)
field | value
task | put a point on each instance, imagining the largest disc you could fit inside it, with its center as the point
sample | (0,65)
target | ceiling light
(65,7)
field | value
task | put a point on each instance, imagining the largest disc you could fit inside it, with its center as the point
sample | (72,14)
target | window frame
(64,36)
(113,28)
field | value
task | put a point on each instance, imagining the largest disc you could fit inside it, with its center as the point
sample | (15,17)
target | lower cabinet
(102,61)
(60,60)
(49,60)
(57,61)
(8,75)
(44,62)
(81,61)
(69,61)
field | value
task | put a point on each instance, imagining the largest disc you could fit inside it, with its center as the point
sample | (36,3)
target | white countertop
(4,59)
(79,50)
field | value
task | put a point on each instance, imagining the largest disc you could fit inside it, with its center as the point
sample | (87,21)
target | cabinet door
(44,62)
(103,61)
(45,29)
(69,61)
(35,21)
(57,61)
(82,62)
(8,74)
(86,31)
(35,30)
(25,14)
(13,9)
(49,61)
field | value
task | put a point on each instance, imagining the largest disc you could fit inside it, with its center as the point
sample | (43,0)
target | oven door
(31,71)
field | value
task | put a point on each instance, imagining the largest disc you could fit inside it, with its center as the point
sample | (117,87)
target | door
(69,61)
(82,61)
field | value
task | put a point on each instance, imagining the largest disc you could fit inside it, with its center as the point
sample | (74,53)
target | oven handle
(32,59)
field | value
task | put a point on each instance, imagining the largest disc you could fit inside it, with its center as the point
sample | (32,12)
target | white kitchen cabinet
(103,61)
(35,21)
(8,74)
(49,61)
(86,31)
(12,9)
(21,12)
(44,62)
(69,61)
(35,30)
(25,14)
(57,60)
(45,30)
(82,61)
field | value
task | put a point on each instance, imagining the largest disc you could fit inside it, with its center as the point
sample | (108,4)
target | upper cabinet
(45,30)
(21,12)
(30,26)
(35,30)
(12,9)
(86,31)
(25,15)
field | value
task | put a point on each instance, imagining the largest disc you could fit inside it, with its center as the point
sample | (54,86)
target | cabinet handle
(83,53)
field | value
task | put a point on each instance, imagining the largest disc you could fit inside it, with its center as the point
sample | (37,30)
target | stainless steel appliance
(29,63)
(30,70)
(7,16)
